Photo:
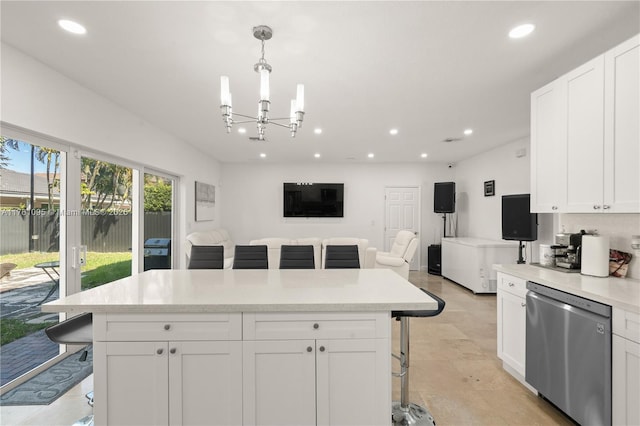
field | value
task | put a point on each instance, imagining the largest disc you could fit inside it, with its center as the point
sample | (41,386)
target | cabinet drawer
(511,284)
(176,327)
(626,324)
(319,325)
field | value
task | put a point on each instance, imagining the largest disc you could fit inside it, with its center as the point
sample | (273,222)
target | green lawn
(12,329)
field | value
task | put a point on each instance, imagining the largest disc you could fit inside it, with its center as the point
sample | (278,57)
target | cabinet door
(279,382)
(512,317)
(625,381)
(622,127)
(585,137)
(205,383)
(131,383)
(548,149)
(354,382)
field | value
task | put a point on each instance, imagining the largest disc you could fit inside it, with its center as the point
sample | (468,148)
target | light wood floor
(454,371)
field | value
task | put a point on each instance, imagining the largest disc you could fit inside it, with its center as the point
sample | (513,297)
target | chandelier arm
(278,124)
(245,116)
(281,118)
(244,121)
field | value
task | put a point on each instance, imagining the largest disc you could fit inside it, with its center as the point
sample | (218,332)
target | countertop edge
(554,280)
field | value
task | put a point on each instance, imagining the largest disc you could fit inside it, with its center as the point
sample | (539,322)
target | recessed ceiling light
(317,155)
(370,155)
(263,155)
(71,26)
(393,131)
(423,155)
(317,131)
(521,31)
(468,131)
(242,130)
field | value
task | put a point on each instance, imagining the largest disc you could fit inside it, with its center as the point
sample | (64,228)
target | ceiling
(430,69)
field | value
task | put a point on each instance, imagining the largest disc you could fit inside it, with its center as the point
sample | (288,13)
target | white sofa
(401,254)
(274,245)
(213,237)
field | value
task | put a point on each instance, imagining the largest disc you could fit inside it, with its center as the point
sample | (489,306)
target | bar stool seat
(405,413)
(75,331)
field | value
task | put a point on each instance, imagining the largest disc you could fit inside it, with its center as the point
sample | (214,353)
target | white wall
(253,200)
(39,99)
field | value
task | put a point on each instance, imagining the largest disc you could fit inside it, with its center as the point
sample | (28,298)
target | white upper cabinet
(585,137)
(622,127)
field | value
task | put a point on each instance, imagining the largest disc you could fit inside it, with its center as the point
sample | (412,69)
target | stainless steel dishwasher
(568,353)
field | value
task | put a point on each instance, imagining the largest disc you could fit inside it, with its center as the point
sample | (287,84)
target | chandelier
(262,33)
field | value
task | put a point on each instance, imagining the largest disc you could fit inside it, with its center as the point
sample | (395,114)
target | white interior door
(402,211)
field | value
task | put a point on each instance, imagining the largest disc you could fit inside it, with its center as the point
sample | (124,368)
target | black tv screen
(303,199)
(518,223)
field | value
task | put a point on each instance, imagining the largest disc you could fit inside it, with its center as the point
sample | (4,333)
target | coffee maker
(570,250)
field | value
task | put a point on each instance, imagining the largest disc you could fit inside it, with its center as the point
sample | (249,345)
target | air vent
(451,140)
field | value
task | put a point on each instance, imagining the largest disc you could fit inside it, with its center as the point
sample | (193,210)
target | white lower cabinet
(512,324)
(626,368)
(325,381)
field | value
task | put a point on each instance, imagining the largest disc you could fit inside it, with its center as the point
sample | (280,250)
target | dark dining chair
(250,257)
(206,257)
(296,257)
(342,257)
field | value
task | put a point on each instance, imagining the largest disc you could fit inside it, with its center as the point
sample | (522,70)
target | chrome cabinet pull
(606,207)
(511,284)
(321,348)
(167,326)
(554,207)
(309,348)
(172,350)
(523,304)
(596,207)
(160,351)
(316,326)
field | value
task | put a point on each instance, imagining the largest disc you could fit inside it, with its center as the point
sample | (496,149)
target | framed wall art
(205,201)
(489,188)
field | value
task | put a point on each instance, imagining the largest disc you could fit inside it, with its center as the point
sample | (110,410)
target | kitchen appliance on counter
(568,353)
(569,250)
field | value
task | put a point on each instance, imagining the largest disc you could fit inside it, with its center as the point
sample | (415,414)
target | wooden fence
(100,232)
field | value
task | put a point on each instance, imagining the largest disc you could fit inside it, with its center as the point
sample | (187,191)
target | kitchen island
(235,347)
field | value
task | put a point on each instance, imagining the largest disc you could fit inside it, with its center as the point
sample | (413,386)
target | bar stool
(75,331)
(405,413)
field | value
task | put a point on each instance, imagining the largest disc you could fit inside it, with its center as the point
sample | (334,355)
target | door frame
(417,259)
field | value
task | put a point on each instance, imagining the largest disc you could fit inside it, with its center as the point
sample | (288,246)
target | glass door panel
(30,240)
(158,221)
(107,222)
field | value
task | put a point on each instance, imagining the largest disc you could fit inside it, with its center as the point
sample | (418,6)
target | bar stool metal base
(414,414)
(85,421)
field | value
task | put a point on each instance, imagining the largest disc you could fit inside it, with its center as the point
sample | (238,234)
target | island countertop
(270,290)
(623,293)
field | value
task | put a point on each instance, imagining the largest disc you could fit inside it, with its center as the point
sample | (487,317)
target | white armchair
(367,254)
(401,254)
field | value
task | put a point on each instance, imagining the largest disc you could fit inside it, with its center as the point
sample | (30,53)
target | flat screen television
(518,223)
(303,199)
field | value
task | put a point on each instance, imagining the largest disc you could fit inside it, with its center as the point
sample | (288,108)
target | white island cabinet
(626,368)
(512,322)
(232,347)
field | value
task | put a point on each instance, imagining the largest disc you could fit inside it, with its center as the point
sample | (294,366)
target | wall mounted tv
(518,223)
(303,199)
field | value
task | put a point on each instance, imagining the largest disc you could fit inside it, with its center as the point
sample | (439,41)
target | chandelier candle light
(262,33)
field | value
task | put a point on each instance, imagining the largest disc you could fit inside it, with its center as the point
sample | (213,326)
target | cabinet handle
(167,326)
(554,207)
(606,207)
(321,348)
(596,207)
(309,348)
(511,284)
(316,326)
(523,304)
(172,350)
(160,351)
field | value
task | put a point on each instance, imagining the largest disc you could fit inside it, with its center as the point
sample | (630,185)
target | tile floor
(454,371)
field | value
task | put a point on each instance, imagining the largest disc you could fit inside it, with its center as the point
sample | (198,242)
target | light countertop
(270,290)
(480,242)
(623,293)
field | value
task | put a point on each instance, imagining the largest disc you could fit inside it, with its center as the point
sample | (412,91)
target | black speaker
(434,259)
(444,197)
